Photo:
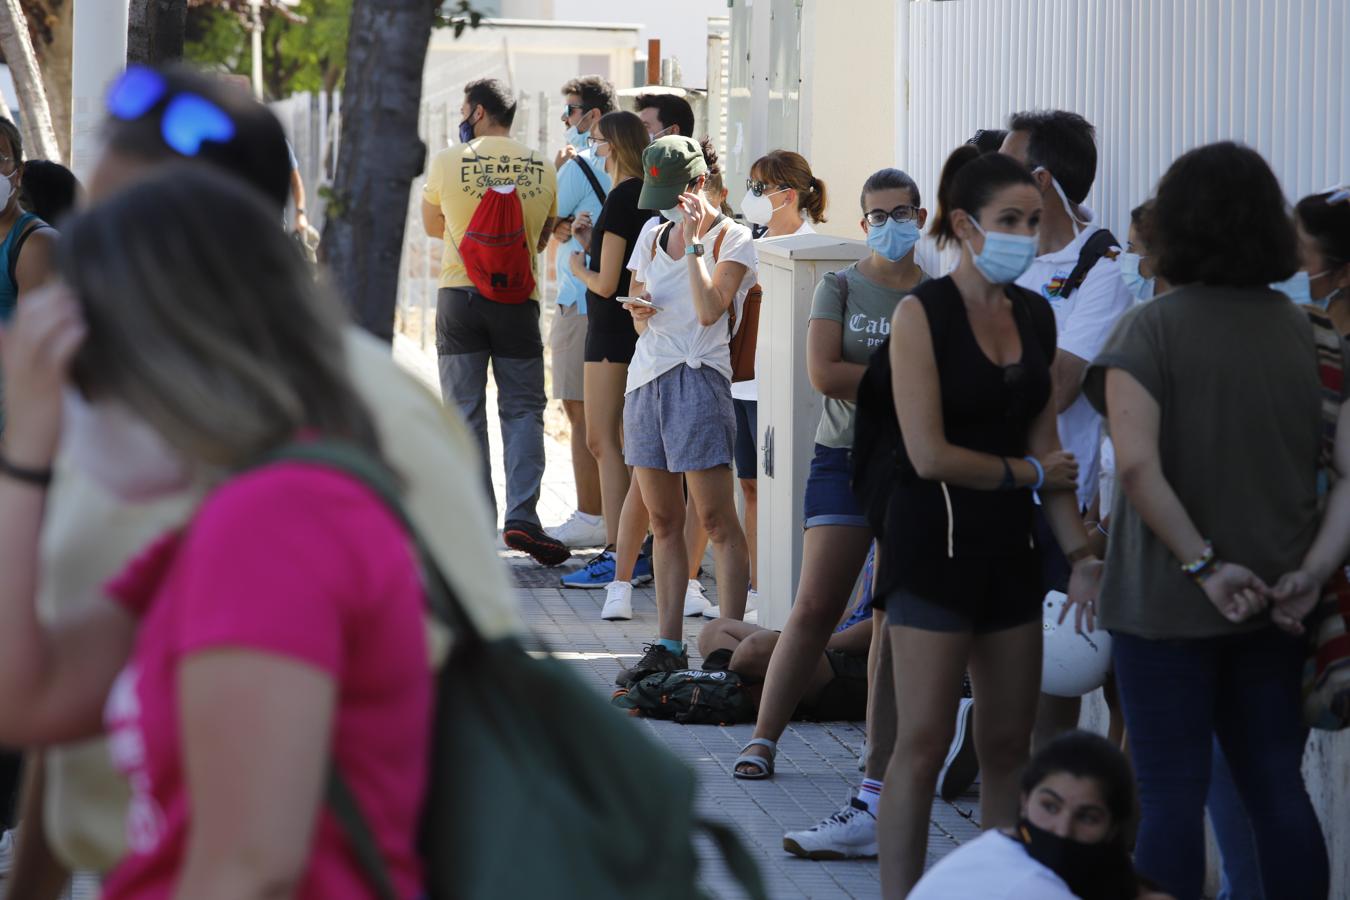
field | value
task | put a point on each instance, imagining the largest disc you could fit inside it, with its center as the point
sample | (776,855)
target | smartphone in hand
(639,301)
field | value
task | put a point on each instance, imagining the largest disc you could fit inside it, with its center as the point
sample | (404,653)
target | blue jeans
(1233,830)
(1178,696)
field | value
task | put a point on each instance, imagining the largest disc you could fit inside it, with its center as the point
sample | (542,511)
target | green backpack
(537,787)
(690,697)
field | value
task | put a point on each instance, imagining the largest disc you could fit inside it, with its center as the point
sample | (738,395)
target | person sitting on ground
(1072,843)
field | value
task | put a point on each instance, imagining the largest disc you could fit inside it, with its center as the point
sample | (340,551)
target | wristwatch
(694,250)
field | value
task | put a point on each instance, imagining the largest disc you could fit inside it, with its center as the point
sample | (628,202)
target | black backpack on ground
(690,697)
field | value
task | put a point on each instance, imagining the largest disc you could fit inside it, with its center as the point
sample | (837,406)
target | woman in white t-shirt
(692,275)
(1078,800)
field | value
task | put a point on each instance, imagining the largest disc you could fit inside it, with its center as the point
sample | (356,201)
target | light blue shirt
(575,196)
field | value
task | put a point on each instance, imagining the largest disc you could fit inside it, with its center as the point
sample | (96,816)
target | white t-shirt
(936,263)
(1084,321)
(749,390)
(991,867)
(674,335)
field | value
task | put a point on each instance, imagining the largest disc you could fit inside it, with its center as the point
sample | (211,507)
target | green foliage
(216,38)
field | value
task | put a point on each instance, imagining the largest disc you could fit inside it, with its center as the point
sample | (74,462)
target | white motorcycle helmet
(1072,664)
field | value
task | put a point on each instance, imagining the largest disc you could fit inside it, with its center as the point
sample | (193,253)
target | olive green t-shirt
(865,316)
(1234,373)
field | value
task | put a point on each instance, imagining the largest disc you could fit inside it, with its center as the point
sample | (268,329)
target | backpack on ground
(690,697)
(1101,244)
(496,251)
(537,788)
(745,337)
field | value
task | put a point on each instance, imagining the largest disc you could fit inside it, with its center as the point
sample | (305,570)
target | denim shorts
(829,496)
(747,422)
(682,421)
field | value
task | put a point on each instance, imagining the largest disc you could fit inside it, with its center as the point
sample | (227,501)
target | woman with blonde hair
(280,635)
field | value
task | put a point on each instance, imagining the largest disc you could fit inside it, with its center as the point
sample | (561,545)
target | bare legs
(584,469)
(603,433)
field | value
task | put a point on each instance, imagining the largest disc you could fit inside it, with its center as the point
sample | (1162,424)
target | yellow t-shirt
(88,536)
(461,175)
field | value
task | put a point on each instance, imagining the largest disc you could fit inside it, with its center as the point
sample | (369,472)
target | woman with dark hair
(28,241)
(1077,807)
(49,190)
(959,571)
(1217,463)
(1323,225)
(232,671)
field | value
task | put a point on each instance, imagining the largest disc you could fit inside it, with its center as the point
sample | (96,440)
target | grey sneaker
(655,659)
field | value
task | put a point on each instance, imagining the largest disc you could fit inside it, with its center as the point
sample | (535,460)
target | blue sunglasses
(186,120)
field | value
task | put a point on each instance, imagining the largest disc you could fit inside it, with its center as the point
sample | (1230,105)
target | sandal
(764,764)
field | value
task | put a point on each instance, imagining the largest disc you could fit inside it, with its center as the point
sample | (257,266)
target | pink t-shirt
(305,563)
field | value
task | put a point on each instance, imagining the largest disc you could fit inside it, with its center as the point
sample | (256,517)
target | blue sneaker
(642,569)
(598,572)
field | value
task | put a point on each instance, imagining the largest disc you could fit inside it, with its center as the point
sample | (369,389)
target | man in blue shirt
(588,98)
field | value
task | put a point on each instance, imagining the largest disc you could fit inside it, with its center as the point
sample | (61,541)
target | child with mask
(1077,804)
(850,318)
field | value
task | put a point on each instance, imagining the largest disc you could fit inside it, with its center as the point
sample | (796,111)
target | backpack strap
(33,225)
(659,239)
(841,282)
(590,176)
(1101,243)
(344,807)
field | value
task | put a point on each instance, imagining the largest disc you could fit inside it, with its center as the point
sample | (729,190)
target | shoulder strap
(33,224)
(659,239)
(590,176)
(841,281)
(1102,243)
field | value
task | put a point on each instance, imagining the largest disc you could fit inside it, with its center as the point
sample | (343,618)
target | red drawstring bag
(495,251)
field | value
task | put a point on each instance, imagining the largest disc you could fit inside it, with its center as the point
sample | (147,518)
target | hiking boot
(695,601)
(580,530)
(528,537)
(850,833)
(961,766)
(597,573)
(655,659)
(618,601)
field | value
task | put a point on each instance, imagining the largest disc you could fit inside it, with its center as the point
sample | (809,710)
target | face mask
(1298,287)
(675,214)
(466,130)
(1140,288)
(893,240)
(1069,208)
(9,189)
(1092,871)
(760,209)
(120,451)
(1005,256)
(576,138)
(662,133)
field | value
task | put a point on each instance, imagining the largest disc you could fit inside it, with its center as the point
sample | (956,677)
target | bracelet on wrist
(1101,529)
(1202,566)
(1040,472)
(36,477)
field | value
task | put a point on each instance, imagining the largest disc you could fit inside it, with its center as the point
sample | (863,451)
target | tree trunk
(39,138)
(379,155)
(54,56)
(155,31)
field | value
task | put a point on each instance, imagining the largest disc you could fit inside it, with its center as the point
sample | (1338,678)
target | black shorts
(610,335)
(747,422)
(468,322)
(844,698)
(979,595)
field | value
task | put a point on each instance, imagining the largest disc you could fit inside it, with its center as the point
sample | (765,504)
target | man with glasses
(582,186)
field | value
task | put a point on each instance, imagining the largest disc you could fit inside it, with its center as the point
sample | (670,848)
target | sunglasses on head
(187,120)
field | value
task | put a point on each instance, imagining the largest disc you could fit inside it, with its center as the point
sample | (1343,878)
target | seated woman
(1078,801)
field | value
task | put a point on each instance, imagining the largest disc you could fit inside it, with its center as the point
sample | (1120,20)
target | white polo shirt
(1084,320)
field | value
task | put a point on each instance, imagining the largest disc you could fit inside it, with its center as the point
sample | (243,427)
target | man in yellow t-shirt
(471,329)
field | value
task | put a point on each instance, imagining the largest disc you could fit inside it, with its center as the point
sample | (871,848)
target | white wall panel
(1156,77)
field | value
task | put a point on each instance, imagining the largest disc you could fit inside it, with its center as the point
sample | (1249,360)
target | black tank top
(985,407)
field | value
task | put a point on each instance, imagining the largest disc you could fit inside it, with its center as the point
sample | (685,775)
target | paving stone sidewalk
(817,765)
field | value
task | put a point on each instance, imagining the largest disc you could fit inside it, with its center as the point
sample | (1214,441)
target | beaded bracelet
(1197,569)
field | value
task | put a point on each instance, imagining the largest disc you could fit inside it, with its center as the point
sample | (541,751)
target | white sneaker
(580,530)
(618,601)
(850,833)
(751,608)
(695,601)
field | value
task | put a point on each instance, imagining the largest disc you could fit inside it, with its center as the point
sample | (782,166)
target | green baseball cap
(668,165)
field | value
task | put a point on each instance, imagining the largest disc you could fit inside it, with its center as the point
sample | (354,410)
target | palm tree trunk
(37,130)
(155,31)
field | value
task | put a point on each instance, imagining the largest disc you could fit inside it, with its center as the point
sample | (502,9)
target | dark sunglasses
(902,214)
(186,120)
(759,187)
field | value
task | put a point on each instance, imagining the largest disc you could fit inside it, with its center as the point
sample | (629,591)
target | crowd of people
(1013,403)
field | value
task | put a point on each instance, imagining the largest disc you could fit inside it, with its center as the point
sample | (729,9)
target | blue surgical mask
(893,239)
(1298,288)
(1140,288)
(1005,256)
(576,138)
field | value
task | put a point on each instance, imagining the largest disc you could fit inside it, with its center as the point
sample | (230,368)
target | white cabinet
(789,408)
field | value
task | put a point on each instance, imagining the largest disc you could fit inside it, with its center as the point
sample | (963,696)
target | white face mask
(759,209)
(9,189)
(119,450)
(675,214)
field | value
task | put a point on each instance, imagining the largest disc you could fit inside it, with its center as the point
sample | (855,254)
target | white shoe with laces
(618,601)
(580,530)
(751,609)
(695,601)
(850,833)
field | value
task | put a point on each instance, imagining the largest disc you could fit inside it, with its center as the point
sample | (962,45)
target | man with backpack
(1075,269)
(582,188)
(494,201)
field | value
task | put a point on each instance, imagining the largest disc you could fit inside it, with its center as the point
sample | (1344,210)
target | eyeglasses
(758,188)
(902,214)
(594,141)
(187,121)
(8,162)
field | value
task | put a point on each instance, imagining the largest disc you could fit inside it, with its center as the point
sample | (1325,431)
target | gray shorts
(682,421)
(567,341)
